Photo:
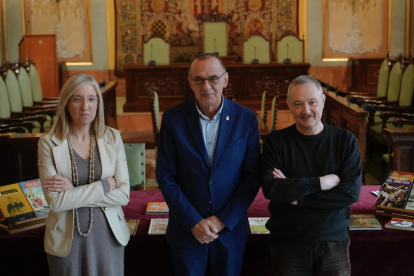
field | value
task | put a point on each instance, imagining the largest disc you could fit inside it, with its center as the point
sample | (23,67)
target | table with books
(385,252)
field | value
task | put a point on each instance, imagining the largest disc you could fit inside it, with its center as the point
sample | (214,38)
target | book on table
(400,224)
(257,225)
(22,201)
(158,226)
(157,208)
(132,226)
(396,191)
(364,222)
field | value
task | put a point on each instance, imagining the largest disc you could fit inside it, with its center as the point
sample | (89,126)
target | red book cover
(400,224)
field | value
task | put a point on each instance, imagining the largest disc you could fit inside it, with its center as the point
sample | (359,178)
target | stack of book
(23,206)
(157,208)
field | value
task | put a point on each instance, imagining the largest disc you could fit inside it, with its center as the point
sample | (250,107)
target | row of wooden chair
(21,97)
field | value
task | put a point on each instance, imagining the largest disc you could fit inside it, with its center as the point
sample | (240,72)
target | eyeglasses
(213,80)
(90,99)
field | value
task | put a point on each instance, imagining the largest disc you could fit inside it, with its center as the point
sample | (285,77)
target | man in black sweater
(311,172)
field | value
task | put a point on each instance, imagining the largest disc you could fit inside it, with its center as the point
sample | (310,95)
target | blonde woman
(84,175)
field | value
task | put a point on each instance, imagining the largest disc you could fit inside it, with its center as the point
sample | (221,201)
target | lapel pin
(227,118)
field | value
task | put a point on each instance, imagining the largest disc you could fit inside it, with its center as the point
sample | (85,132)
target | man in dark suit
(207,169)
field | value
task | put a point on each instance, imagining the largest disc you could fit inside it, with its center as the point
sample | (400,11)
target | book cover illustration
(160,208)
(395,191)
(257,225)
(400,224)
(410,201)
(33,191)
(14,204)
(364,222)
(158,226)
(132,226)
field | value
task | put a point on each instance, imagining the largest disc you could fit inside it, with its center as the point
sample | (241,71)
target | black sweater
(319,215)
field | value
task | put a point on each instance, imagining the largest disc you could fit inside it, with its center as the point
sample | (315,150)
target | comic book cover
(364,222)
(158,226)
(132,226)
(257,225)
(400,224)
(396,190)
(14,204)
(157,208)
(1,216)
(33,191)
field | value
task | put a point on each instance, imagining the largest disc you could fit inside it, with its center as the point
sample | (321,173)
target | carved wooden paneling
(247,83)
(109,98)
(400,148)
(340,113)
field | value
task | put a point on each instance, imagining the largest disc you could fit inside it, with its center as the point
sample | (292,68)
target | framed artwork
(355,29)
(70,20)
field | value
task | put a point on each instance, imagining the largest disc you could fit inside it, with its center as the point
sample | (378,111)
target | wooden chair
(383,79)
(13,129)
(290,47)
(155,115)
(275,104)
(8,117)
(27,95)
(15,100)
(135,154)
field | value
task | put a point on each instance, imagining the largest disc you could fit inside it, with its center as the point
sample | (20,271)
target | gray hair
(305,79)
(204,56)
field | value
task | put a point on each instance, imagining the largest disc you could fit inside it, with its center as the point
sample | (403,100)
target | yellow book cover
(14,204)
(258,225)
(132,225)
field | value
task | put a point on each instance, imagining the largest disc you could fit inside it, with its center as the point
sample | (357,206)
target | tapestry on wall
(176,22)
(68,19)
(357,29)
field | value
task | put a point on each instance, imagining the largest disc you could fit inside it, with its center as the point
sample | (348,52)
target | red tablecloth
(386,252)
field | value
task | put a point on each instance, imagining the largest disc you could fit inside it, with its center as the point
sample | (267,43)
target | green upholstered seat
(263,109)
(157,109)
(35,84)
(160,51)
(394,83)
(13,90)
(256,47)
(215,37)
(383,76)
(405,100)
(273,116)
(25,88)
(407,86)
(5,111)
(135,154)
(290,46)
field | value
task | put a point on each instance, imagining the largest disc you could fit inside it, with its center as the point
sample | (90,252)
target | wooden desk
(400,148)
(246,83)
(341,113)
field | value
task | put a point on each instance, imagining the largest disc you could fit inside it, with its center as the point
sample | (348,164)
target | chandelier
(356,5)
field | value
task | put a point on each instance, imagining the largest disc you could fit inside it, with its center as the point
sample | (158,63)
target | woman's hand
(57,183)
(112,183)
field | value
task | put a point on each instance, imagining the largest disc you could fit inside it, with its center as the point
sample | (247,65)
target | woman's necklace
(75,178)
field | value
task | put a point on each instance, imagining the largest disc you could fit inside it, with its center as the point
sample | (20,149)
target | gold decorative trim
(78,63)
(389,24)
(110,32)
(23,17)
(335,59)
(408,27)
(6,52)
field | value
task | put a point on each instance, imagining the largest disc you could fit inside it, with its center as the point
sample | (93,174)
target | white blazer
(54,158)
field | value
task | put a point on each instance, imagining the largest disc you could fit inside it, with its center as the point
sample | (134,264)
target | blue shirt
(210,130)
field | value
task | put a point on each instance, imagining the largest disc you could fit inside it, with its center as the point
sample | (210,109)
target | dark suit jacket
(192,189)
